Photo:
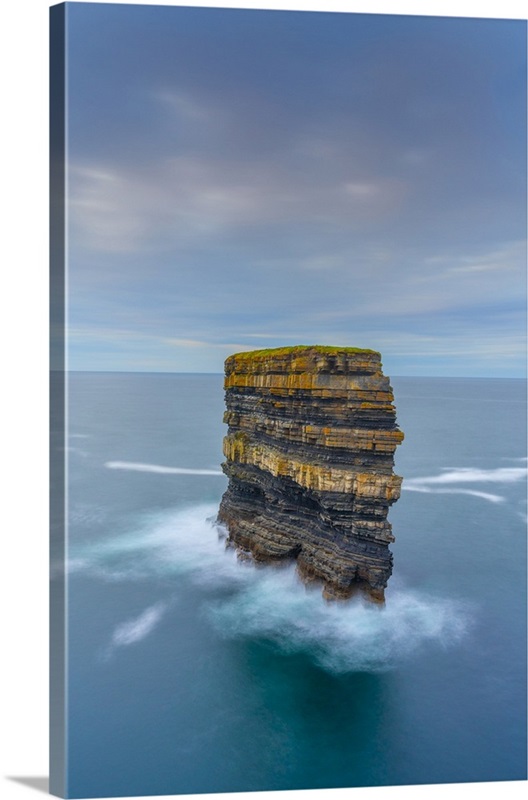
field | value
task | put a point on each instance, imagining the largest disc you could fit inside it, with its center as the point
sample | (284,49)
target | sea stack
(309,456)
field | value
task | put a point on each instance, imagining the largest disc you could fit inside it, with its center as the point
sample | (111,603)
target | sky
(244,179)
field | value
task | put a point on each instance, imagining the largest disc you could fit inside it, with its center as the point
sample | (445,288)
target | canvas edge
(57,389)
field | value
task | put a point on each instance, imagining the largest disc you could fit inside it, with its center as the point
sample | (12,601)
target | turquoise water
(192,672)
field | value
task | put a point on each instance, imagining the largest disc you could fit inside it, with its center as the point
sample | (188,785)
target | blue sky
(245,179)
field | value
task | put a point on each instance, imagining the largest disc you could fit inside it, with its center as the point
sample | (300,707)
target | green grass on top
(301,348)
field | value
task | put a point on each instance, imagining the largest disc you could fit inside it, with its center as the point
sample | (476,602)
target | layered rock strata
(309,456)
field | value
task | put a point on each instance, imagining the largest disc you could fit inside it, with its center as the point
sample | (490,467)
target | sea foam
(271,604)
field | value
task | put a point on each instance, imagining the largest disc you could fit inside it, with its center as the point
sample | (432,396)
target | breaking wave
(271,604)
(139,467)
(341,637)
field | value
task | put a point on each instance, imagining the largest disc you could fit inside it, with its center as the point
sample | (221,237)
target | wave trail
(493,498)
(472,475)
(162,470)
(134,630)
(448,481)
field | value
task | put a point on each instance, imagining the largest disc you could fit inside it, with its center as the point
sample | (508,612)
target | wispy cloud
(509,257)
(328,197)
(186,105)
(120,209)
(483,345)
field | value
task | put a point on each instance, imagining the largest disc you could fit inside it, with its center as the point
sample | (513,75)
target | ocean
(190,671)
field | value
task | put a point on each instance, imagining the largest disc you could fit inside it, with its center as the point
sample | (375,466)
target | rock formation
(309,456)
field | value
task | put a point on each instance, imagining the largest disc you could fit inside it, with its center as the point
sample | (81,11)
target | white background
(24,399)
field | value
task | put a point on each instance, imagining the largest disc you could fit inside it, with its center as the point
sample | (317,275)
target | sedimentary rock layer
(309,456)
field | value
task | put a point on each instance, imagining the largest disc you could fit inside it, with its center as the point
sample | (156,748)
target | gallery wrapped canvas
(281,240)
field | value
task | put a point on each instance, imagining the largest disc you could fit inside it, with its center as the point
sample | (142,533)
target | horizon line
(187,372)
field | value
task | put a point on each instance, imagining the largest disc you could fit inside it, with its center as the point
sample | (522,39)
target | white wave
(79,436)
(493,498)
(345,636)
(178,542)
(139,467)
(241,599)
(472,475)
(451,477)
(136,629)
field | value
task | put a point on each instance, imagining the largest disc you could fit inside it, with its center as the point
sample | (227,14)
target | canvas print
(288,400)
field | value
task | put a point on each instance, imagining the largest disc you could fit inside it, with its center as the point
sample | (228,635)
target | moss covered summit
(302,349)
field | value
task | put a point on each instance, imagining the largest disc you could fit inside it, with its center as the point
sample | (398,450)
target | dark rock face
(309,456)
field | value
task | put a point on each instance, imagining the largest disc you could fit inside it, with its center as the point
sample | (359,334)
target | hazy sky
(245,179)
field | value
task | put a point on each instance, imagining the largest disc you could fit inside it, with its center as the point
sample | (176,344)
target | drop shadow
(40,784)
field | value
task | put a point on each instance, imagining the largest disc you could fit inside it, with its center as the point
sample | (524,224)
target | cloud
(187,197)
(349,189)
(507,258)
(483,345)
(448,281)
(137,350)
(106,209)
(186,105)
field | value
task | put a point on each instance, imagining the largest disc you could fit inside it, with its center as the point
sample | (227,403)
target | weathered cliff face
(309,456)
